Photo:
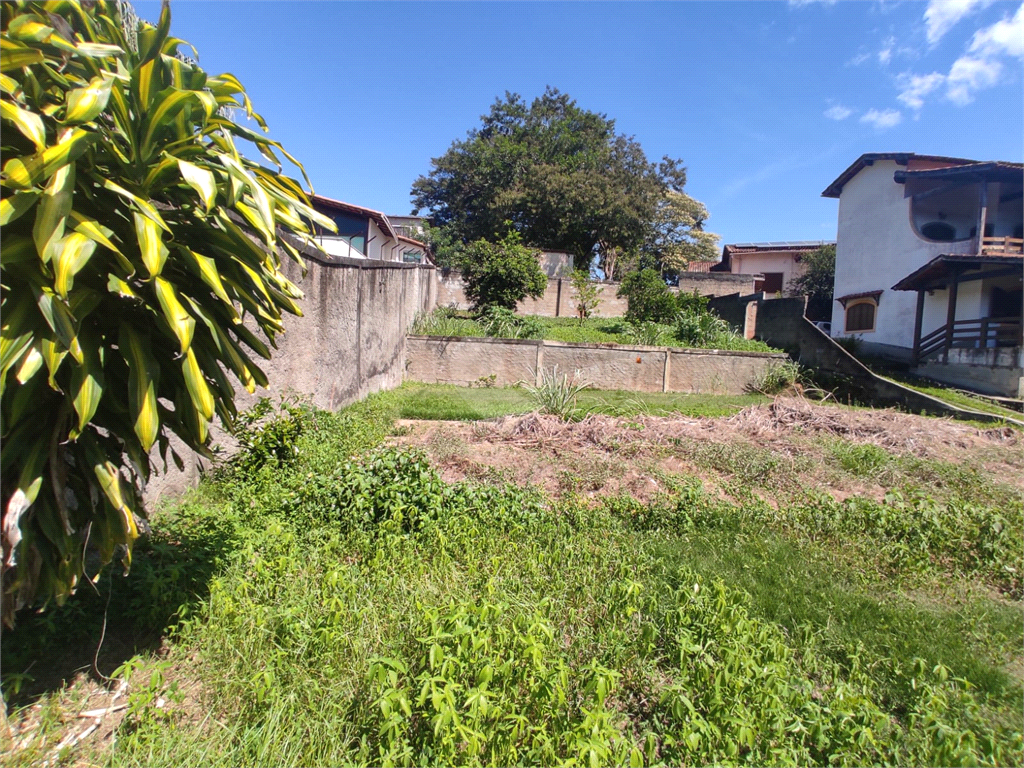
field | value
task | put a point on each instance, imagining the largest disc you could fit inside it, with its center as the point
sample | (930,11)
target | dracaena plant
(141,271)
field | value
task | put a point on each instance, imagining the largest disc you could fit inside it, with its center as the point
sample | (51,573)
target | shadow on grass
(170,575)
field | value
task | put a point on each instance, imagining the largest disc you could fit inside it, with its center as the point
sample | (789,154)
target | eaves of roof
(358,210)
(869,158)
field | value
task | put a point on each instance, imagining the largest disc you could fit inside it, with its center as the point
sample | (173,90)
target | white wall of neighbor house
(876,247)
(762,263)
(378,243)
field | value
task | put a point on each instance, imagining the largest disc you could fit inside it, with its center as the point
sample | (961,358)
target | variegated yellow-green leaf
(151,246)
(201,180)
(73,254)
(208,271)
(29,123)
(84,104)
(60,320)
(16,58)
(100,234)
(30,365)
(53,209)
(181,322)
(110,481)
(53,356)
(116,285)
(147,209)
(11,208)
(168,102)
(27,29)
(23,172)
(87,386)
(143,373)
(198,389)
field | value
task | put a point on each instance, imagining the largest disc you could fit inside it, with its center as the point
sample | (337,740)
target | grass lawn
(443,402)
(352,599)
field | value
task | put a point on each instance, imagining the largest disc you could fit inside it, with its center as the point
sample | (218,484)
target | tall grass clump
(444,322)
(555,395)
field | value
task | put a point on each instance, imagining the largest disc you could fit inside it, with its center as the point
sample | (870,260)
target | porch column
(982,216)
(951,310)
(918,317)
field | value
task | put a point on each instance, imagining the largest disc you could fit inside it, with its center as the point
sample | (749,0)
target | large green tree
(140,268)
(561,174)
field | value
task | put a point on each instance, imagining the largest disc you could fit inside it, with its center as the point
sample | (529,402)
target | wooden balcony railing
(1000,245)
(982,333)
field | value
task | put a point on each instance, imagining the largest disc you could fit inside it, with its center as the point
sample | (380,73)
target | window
(860,316)
(352,229)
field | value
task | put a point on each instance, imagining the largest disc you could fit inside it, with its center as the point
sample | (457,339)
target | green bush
(648,298)
(501,274)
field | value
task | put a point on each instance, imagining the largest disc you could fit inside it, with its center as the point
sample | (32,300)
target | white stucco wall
(337,246)
(876,247)
(759,263)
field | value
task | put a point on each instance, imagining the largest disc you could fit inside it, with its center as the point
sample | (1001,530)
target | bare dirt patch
(780,446)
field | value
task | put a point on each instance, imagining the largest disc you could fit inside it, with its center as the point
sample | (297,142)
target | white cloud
(916,87)
(886,53)
(886,118)
(1005,37)
(859,59)
(968,75)
(838,112)
(942,15)
(799,3)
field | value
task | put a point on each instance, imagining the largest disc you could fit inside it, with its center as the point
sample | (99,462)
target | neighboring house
(777,263)
(365,234)
(929,265)
(408,226)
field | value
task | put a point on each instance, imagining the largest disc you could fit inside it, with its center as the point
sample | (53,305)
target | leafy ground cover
(786,584)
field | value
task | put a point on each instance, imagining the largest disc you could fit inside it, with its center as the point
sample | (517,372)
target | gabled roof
(902,158)
(356,210)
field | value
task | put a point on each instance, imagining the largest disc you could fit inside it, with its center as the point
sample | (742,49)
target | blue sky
(765,102)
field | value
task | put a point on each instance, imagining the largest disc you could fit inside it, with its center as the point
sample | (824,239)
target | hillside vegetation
(675,590)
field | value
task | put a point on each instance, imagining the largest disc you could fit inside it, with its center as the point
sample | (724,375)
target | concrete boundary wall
(465,361)
(349,342)
(558,298)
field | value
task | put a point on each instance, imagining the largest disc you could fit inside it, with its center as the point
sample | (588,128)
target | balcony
(1000,246)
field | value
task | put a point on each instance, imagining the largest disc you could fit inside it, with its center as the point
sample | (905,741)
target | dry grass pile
(784,417)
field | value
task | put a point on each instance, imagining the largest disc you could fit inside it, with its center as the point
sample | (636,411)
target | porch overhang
(925,182)
(945,269)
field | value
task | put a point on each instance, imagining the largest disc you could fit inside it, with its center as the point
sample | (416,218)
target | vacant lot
(667,580)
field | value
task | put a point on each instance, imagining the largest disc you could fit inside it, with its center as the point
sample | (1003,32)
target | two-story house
(929,265)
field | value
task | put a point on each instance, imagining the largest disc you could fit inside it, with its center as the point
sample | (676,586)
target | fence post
(540,364)
(667,370)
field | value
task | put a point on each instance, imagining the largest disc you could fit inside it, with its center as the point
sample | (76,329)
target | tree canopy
(817,282)
(141,267)
(563,177)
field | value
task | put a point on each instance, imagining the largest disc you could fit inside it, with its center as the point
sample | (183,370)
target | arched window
(860,316)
